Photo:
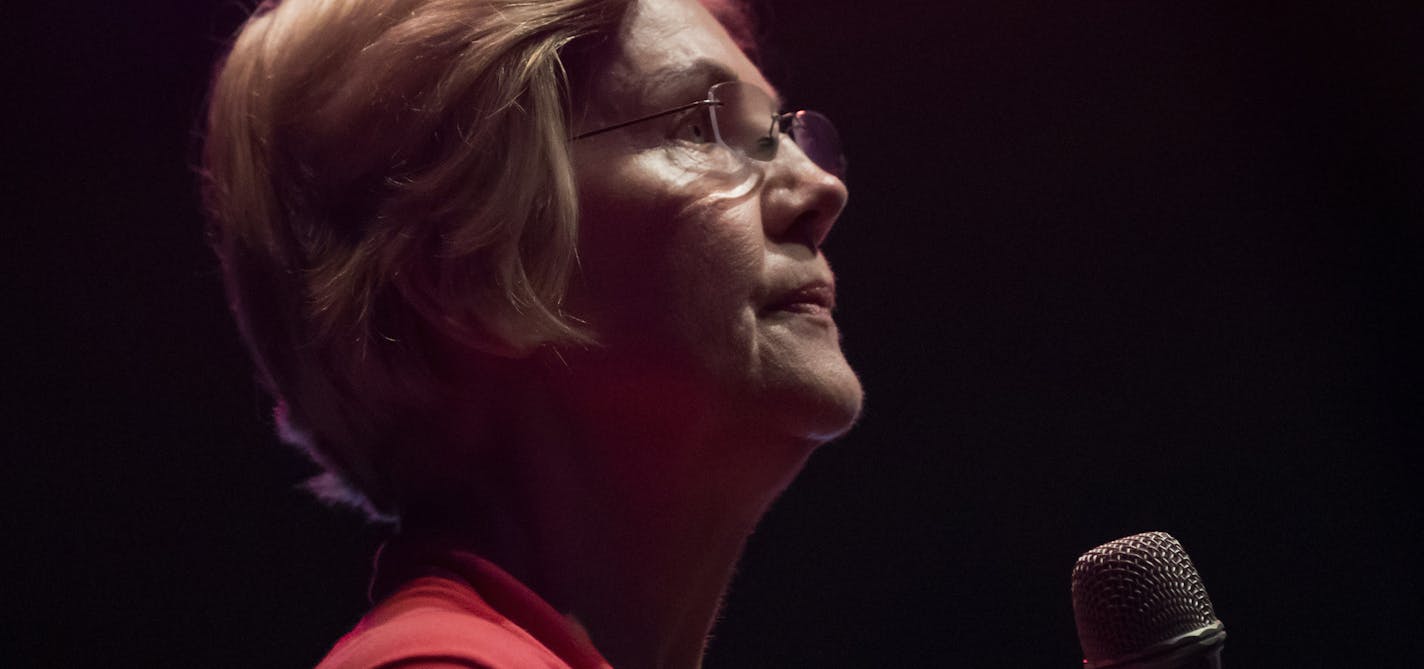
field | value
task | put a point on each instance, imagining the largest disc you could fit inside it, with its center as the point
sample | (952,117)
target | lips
(812,298)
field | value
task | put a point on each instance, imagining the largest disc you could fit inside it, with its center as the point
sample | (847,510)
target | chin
(821,406)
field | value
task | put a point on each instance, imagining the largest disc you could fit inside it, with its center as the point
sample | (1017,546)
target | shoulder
(434,622)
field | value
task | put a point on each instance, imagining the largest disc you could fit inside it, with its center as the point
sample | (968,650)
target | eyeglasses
(744,119)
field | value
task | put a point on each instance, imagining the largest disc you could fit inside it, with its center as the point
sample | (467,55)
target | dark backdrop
(1108,267)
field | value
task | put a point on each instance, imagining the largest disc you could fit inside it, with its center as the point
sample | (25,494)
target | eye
(695,127)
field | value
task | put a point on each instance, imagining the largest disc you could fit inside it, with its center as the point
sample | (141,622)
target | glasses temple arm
(640,119)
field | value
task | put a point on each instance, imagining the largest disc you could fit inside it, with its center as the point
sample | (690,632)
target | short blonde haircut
(384,177)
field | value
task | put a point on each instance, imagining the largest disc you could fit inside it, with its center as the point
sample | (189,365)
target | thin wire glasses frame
(810,130)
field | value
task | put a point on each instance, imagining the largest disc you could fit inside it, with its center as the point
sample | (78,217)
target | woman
(540,283)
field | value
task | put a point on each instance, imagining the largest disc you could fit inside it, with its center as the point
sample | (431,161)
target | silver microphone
(1139,603)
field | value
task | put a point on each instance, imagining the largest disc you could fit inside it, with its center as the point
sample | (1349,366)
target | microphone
(1139,603)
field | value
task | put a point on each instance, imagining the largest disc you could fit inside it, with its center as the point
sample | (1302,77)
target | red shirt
(444,607)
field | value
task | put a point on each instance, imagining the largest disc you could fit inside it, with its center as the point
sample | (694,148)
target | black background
(1108,267)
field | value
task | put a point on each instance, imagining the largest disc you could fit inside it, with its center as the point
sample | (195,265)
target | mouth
(815,298)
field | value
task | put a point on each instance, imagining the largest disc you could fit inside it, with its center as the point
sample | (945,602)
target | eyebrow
(687,83)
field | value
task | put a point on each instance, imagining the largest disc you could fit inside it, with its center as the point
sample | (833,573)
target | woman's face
(700,272)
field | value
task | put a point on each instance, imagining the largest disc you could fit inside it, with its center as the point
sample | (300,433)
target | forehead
(672,51)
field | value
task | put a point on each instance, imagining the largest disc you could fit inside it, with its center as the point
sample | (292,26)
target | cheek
(705,285)
(695,283)
(667,253)
(719,248)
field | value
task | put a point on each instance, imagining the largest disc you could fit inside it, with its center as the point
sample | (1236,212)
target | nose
(800,201)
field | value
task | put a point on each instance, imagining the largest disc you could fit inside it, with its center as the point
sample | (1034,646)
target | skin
(633,472)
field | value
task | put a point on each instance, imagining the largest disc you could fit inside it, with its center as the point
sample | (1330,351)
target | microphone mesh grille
(1135,592)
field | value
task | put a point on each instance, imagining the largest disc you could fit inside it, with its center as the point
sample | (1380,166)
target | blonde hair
(384,177)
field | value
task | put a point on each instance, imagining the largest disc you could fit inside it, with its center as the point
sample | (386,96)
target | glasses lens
(818,139)
(745,118)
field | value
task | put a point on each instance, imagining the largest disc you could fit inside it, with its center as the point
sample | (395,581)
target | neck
(630,521)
